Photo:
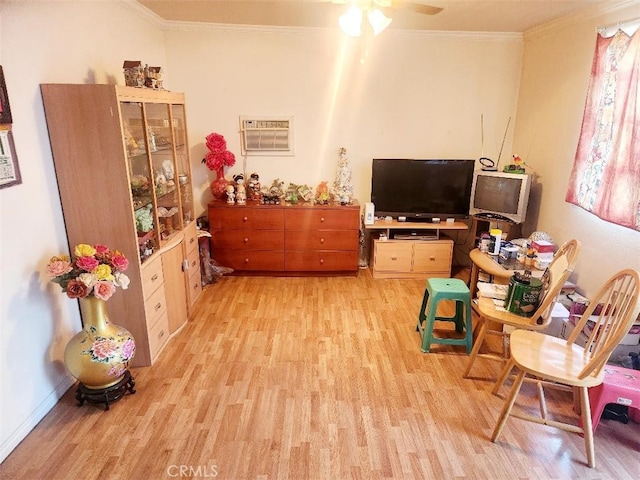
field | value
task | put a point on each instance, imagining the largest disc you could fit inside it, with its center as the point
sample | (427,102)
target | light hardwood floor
(312,378)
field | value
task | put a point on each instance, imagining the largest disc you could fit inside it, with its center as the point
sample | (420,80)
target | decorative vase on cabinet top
(99,355)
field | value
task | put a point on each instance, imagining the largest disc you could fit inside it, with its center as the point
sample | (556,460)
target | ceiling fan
(351,21)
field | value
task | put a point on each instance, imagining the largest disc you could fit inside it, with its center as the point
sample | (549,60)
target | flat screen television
(500,196)
(421,189)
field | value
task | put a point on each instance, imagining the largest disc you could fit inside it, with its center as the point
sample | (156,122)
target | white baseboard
(11,442)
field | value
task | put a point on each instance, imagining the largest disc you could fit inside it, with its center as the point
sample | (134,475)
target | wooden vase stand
(106,395)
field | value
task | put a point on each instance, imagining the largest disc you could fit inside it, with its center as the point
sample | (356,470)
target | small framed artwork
(9,168)
(5,109)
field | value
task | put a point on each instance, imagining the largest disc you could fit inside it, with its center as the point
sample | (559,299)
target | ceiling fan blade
(416,7)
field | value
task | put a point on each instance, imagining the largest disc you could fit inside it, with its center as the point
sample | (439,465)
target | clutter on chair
(561,364)
(438,289)
(536,318)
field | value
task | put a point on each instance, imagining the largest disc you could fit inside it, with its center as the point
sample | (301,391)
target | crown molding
(582,16)
(146,14)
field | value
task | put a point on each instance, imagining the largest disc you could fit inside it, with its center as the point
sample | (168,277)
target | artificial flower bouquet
(95,271)
(218,156)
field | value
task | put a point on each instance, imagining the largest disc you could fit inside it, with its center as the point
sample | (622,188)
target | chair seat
(535,353)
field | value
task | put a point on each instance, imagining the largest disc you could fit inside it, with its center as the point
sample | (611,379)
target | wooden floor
(311,378)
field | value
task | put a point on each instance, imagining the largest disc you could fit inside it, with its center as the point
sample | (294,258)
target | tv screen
(500,195)
(421,189)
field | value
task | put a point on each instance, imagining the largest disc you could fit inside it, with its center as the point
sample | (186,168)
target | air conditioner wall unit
(266,135)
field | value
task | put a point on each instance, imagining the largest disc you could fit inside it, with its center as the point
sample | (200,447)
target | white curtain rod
(632,23)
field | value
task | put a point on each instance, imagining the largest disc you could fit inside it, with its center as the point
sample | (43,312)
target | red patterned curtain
(606,172)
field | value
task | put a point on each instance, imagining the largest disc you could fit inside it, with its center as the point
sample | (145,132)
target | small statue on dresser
(241,190)
(231,194)
(254,187)
(322,194)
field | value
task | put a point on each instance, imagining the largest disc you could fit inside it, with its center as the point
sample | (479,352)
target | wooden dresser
(289,239)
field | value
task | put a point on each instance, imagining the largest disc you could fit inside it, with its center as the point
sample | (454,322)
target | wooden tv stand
(429,255)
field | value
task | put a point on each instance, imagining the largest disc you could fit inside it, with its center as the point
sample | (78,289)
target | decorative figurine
(133,73)
(322,194)
(342,185)
(291,195)
(231,196)
(254,187)
(241,190)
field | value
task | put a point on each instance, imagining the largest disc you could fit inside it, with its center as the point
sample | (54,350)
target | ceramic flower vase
(99,355)
(219,185)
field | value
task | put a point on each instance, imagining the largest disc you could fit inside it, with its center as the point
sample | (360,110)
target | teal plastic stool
(445,289)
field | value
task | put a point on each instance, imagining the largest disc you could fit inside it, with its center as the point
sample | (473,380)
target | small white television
(500,196)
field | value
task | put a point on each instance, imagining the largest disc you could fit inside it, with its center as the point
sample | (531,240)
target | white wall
(417,95)
(40,42)
(556,68)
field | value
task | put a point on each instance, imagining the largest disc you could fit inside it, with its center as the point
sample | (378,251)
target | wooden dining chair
(562,364)
(554,278)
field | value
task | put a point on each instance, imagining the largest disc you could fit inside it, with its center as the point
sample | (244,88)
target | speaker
(369,209)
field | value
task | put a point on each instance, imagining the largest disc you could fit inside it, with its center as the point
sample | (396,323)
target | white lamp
(351,22)
(378,20)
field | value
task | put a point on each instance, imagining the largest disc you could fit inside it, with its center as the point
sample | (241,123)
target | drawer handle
(322,240)
(433,259)
(161,334)
(195,286)
(322,219)
(154,278)
(158,306)
(193,264)
(246,260)
(191,240)
(246,240)
(322,261)
(244,219)
(394,257)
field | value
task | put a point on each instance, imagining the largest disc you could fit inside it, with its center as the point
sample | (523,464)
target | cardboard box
(543,246)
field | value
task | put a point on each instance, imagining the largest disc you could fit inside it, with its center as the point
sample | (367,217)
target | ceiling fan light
(351,22)
(378,20)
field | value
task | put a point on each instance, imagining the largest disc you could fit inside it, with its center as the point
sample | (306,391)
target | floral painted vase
(100,354)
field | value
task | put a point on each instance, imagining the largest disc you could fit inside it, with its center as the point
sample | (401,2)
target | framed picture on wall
(5,109)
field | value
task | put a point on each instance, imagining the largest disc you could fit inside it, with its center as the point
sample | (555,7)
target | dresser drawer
(195,285)
(193,260)
(251,218)
(152,276)
(322,240)
(158,335)
(247,240)
(191,238)
(321,260)
(322,219)
(155,306)
(251,260)
(432,256)
(393,256)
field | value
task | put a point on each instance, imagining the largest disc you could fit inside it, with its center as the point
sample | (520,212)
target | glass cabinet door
(178,122)
(140,178)
(161,150)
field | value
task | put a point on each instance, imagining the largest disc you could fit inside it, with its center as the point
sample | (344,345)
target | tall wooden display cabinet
(124,175)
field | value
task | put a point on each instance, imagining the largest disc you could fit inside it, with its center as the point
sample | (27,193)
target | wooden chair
(561,364)
(556,275)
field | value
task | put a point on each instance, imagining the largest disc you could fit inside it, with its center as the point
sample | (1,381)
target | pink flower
(87,263)
(128,349)
(120,262)
(101,249)
(103,349)
(104,290)
(215,141)
(58,268)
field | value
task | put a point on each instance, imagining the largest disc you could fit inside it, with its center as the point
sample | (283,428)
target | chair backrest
(554,278)
(609,316)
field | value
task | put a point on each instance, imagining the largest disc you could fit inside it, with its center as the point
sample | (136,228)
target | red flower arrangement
(218,156)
